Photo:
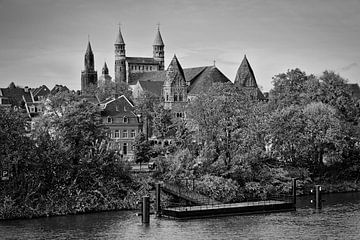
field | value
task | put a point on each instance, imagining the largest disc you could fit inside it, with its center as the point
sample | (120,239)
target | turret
(158,49)
(120,58)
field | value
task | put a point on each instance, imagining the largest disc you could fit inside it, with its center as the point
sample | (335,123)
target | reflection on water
(339,219)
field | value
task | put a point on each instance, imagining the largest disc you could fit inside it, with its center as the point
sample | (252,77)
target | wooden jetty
(205,207)
(203,211)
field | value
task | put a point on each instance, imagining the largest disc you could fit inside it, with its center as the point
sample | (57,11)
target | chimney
(26,89)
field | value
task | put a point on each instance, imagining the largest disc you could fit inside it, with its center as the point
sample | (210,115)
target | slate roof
(15,95)
(176,67)
(40,91)
(118,106)
(205,79)
(142,60)
(152,86)
(119,38)
(147,76)
(59,88)
(245,75)
(158,39)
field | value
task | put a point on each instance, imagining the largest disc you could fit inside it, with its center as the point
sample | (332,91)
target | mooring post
(158,199)
(146,209)
(318,201)
(294,191)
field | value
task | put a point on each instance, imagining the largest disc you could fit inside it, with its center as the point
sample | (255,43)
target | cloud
(350,66)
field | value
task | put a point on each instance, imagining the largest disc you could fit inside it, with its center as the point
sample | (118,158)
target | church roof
(158,39)
(142,60)
(202,81)
(175,67)
(154,87)
(245,75)
(15,95)
(119,38)
(120,106)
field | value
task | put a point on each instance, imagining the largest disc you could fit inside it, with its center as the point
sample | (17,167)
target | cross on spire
(214,62)
(158,26)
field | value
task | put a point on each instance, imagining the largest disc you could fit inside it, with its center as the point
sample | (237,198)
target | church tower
(89,75)
(120,58)
(158,50)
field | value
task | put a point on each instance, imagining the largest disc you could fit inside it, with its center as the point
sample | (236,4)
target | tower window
(167,97)
(175,97)
(125,120)
(180,97)
(109,120)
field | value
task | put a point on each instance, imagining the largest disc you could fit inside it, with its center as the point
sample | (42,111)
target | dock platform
(217,210)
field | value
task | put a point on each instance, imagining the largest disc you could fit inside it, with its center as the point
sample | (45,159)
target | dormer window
(126,120)
(32,109)
(109,120)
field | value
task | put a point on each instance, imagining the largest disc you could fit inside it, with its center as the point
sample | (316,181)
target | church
(175,85)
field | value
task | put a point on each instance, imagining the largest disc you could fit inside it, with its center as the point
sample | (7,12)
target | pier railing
(186,194)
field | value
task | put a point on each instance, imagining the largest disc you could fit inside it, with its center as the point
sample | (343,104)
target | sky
(44,41)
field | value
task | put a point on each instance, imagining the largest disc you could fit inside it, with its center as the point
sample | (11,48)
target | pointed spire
(245,76)
(119,38)
(158,39)
(88,49)
(105,70)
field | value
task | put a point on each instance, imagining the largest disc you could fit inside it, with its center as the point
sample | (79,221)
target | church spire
(105,70)
(158,49)
(119,38)
(245,76)
(89,58)
(158,39)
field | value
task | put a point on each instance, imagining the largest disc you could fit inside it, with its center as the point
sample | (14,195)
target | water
(339,219)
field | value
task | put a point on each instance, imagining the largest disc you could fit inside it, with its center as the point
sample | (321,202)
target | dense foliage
(63,166)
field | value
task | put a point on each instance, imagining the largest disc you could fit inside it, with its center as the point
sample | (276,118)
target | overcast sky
(44,41)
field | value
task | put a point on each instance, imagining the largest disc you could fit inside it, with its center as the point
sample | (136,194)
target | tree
(142,149)
(162,121)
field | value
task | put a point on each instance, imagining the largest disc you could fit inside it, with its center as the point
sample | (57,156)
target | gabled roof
(245,75)
(119,38)
(41,91)
(59,88)
(142,60)
(118,106)
(202,81)
(15,95)
(175,67)
(158,39)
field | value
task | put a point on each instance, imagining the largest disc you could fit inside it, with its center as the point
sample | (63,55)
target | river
(339,219)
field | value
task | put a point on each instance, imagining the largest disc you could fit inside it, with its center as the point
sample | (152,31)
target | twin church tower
(124,66)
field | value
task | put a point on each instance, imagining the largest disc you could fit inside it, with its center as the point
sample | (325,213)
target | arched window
(175,97)
(126,120)
(109,120)
(180,97)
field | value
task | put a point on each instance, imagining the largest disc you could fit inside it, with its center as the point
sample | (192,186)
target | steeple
(120,58)
(105,70)
(89,75)
(245,76)
(158,49)
(158,39)
(175,68)
(89,58)
(119,38)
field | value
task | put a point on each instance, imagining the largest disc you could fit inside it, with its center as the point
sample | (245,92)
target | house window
(117,133)
(125,134)
(150,68)
(124,150)
(109,120)
(132,134)
(126,120)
